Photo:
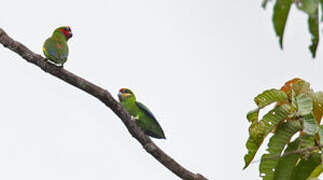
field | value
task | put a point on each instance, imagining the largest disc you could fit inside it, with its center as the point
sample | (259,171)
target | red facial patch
(66,31)
(121,90)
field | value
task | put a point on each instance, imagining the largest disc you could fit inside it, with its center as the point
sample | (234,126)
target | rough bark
(105,97)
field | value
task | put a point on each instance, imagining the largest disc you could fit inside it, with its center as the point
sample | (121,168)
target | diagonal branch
(105,97)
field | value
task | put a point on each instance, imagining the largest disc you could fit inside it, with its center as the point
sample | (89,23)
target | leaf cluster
(298,109)
(310,7)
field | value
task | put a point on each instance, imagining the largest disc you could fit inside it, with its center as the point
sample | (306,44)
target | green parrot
(55,48)
(144,118)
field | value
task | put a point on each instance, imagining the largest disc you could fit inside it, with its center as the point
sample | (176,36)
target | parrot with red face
(55,48)
(143,116)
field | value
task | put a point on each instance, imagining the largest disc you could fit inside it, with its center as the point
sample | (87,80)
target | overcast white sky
(196,64)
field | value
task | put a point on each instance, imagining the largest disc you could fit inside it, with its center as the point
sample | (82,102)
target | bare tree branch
(105,97)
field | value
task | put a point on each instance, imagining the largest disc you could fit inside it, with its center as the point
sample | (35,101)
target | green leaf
(304,104)
(313,25)
(308,6)
(307,141)
(294,101)
(317,98)
(305,167)
(275,146)
(252,116)
(281,11)
(258,131)
(309,124)
(316,172)
(282,136)
(321,134)
(311,7)
(321,139)
(286,163)
(301,87)
(270,96)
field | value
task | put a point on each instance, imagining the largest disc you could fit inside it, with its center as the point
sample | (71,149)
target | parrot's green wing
(146,110)
(56,50)
(155,130)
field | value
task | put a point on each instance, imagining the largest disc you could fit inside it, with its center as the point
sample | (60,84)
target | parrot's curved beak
(70,34)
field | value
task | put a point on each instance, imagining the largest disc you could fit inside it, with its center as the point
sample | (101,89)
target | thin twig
(105,97)
(299,151)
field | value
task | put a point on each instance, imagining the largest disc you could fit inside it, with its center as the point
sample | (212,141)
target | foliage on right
(298,111)
(310,7)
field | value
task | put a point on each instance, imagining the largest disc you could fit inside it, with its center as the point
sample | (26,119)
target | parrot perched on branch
(55,48)
(144,118)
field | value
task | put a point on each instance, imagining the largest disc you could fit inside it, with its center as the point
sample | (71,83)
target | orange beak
(125,94)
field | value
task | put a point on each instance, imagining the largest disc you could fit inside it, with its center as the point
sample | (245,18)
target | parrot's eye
(66,29)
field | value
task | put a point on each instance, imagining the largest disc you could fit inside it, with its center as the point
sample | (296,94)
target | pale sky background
(196,64)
